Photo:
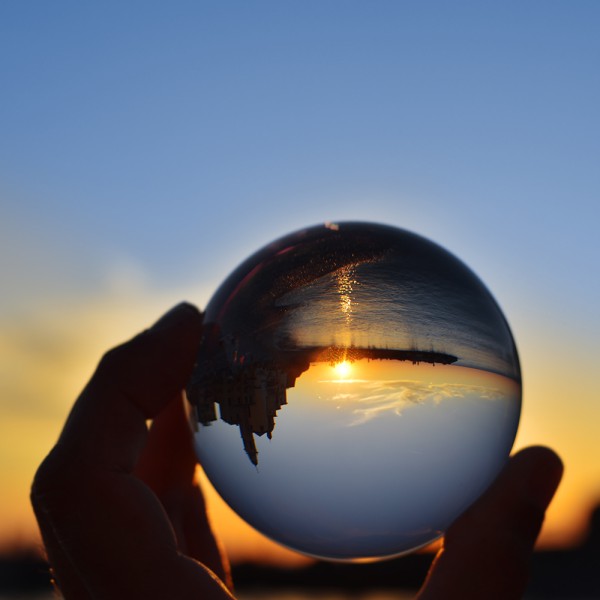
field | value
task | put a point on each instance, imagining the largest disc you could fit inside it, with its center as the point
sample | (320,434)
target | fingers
(168,461)
(105,531)
(132,383)
(168,466)
(487,550)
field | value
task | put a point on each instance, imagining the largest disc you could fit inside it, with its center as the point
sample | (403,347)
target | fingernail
(544,480)
(179,314)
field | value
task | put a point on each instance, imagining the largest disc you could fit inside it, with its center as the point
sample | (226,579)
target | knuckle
(49,481)
(116,362)
(113,359)
(45,476)
(58,472)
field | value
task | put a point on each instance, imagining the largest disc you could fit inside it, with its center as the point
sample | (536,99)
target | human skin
(122,515)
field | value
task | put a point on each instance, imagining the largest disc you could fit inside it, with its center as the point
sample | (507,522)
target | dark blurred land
(571,573)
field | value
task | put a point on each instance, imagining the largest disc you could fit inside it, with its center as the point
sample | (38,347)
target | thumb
(487,550)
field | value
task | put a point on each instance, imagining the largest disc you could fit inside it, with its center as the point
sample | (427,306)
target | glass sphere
(357,388)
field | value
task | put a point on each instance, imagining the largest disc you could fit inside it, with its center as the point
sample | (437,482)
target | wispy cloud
(50,344)
(373,398)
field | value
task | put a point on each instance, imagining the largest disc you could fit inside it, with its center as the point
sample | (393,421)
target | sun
(343,369)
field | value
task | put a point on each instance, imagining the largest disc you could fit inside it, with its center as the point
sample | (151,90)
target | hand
(122,515)
(119,511)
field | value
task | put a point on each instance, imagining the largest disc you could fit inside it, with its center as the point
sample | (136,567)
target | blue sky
(225,124)
(148,147)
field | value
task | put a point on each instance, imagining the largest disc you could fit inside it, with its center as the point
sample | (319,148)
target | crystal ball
(357,388)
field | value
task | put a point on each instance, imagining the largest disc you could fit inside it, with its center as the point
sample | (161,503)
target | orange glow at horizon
(370,369)
(47,361)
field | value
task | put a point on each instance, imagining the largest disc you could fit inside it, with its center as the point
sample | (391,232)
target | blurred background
(146,148)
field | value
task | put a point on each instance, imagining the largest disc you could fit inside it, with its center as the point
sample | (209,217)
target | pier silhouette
(250,391)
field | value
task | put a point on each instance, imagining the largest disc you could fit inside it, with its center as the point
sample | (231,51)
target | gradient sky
(147,148)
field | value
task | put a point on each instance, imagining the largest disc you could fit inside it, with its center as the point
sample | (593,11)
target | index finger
(102,526)
(133,383)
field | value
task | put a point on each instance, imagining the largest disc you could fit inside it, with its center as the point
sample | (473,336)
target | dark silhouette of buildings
(249,392)
(250,400)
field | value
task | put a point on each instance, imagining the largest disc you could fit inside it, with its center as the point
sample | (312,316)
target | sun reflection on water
(346,281)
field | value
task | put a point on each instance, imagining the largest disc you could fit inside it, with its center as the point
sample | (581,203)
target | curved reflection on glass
(356,389)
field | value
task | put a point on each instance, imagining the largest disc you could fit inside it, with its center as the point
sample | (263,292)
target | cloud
(50,344)
(375,398)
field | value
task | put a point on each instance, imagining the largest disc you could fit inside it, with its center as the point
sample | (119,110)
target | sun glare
(343,369)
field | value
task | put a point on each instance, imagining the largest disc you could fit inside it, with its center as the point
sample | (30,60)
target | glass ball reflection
(356,389)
